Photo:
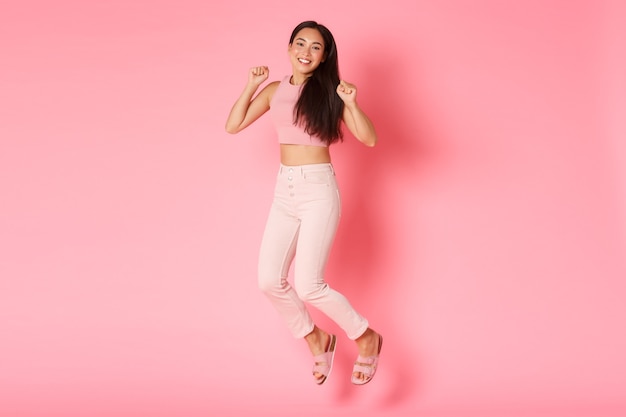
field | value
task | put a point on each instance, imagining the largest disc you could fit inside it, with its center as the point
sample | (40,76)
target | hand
(347,92)
(257,75)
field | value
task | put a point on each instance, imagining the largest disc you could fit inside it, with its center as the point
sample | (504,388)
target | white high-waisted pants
(302,223)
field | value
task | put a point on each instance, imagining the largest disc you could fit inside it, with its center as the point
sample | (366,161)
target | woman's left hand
(346,91)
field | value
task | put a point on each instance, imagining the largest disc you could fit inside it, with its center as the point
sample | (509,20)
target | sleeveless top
(281,112)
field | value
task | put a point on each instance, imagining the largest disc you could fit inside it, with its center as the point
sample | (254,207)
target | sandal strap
(366,366)
(367,369)
(324,361)
(367,360)
(323,358)
(321,369)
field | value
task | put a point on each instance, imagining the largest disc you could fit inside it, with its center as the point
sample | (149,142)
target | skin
(306,53)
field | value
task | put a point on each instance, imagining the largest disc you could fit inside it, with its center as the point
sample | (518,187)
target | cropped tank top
(281,112)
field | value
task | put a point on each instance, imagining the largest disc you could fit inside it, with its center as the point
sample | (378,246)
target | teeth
(304,61)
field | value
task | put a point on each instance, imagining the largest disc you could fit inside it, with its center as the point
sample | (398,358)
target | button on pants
(301,226)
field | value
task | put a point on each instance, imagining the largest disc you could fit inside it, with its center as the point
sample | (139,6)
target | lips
(304,61)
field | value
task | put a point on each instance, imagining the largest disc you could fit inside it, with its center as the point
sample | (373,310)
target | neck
(297,79)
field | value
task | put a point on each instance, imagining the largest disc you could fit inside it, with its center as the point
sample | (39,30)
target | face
(307,51)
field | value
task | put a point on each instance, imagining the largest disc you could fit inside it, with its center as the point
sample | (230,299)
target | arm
(355,119)
(248,109)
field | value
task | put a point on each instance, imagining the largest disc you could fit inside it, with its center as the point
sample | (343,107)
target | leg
(319,220)
(319,211)
(276,254)
(278,248)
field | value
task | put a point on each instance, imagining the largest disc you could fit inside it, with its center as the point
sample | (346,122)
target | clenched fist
(346,91)
(257,75)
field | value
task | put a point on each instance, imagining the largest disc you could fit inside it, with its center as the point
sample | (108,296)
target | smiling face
(306,52)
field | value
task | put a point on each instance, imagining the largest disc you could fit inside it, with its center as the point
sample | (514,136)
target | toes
(319,378)
(360,376)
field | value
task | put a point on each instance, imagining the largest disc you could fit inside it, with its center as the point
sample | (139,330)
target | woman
(307,108)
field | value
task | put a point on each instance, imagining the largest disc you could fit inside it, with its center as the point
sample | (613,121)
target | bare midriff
(303,154)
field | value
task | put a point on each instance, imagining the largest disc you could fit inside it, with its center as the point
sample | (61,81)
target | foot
(322,346)
(369,344)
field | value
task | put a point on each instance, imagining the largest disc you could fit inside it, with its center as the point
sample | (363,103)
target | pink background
(484,236)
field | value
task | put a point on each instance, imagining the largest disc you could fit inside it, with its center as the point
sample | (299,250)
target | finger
(346,87)
(260,70)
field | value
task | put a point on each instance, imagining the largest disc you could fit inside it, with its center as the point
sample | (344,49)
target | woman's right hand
(258,75)
(249,107)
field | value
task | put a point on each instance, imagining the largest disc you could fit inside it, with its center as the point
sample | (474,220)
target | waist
(303,154)
(291,171)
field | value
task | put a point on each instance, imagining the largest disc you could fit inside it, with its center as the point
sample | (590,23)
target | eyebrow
(302,39)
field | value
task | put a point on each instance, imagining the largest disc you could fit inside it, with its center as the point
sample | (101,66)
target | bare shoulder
(270,89)
(266,94)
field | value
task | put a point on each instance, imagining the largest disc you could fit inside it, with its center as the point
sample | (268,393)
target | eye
(299,43)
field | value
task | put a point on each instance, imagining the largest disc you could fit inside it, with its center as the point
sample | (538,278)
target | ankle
(367,335)
(316,338)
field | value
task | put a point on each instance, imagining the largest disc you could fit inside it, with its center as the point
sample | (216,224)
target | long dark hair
(319,108)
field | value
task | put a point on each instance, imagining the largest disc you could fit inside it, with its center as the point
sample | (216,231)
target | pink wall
(484,236)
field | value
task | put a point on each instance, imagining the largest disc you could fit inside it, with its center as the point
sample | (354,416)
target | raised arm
(355,119)
(247,109)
